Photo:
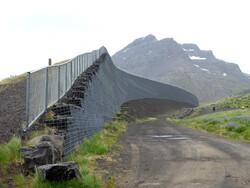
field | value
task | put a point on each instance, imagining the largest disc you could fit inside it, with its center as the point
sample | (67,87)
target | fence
(48,85)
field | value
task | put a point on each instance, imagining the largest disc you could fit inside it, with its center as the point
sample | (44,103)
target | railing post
(78,66)
(50,62)
(84,64)
(46,88)
(87,61)
(71,73)
(58,79)
(81,64)
(66,78)
(27,101)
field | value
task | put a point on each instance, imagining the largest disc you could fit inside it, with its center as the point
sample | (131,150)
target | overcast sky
(33,31)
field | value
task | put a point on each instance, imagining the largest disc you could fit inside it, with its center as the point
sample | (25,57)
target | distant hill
(182,65)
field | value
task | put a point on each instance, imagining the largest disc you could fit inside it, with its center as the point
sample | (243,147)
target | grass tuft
(20,181)
(85,155)
(10,152)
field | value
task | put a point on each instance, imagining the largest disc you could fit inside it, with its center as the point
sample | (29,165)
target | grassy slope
(91,149)
(235,101)
(12,79)
(232,119)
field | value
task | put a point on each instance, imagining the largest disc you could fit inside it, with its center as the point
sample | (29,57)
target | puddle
(162,136)
(170,137)
(179,138)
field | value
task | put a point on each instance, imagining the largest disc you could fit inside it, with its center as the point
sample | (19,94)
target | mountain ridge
(182,65)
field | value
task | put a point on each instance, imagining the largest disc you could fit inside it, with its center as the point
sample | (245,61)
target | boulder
(59,172)
(40,154)
(56,140)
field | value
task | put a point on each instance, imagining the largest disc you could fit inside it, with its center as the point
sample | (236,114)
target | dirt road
(163,154)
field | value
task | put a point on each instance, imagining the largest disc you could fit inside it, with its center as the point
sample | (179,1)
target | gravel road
(163,154)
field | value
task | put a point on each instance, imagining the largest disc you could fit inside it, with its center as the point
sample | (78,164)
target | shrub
(206,120)
(245,120)
(214,121)
(231,125)
(240,129)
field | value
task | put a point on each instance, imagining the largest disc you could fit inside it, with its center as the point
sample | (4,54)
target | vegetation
(86,154)
(9,159)
(49,115)
(11,79)
(10,152)
(232,119)
(234,124)
(241,100)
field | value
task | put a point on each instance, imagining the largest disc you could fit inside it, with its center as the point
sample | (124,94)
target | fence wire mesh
(48,85)
(94,97)
(97,95)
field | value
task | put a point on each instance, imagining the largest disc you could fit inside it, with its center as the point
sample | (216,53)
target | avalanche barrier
(97,94)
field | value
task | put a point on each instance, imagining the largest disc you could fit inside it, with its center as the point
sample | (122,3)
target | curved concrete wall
(108,89)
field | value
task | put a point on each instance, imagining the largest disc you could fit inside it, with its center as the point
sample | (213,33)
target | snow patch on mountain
(197,58)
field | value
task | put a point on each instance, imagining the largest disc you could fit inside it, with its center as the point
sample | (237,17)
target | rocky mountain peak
(149,38)
(182,65)
(143,41)
(190,47)
(194,52)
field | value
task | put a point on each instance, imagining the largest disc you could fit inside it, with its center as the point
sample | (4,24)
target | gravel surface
(163,154)
(12,109)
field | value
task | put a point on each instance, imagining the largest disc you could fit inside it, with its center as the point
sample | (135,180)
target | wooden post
(50,62)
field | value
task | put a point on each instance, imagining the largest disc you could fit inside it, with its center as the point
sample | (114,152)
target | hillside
(232,102)
(228,117)
(182,65)
(12,108)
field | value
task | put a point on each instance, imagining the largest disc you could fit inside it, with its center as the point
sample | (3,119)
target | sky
(32,31)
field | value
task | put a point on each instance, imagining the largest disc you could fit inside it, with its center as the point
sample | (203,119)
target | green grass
(239,101)
(10,152)
(12,79)
(89,181)
(234,124)
(86,154)
(89,150)
(233,101)
(49,115)
(20,181)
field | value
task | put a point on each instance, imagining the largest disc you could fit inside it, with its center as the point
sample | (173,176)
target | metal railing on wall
(47,85)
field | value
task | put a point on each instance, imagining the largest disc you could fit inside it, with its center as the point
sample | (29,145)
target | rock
(56,140)
(59,172)
(41,154)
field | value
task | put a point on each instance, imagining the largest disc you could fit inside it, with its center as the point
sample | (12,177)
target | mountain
(182,65)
